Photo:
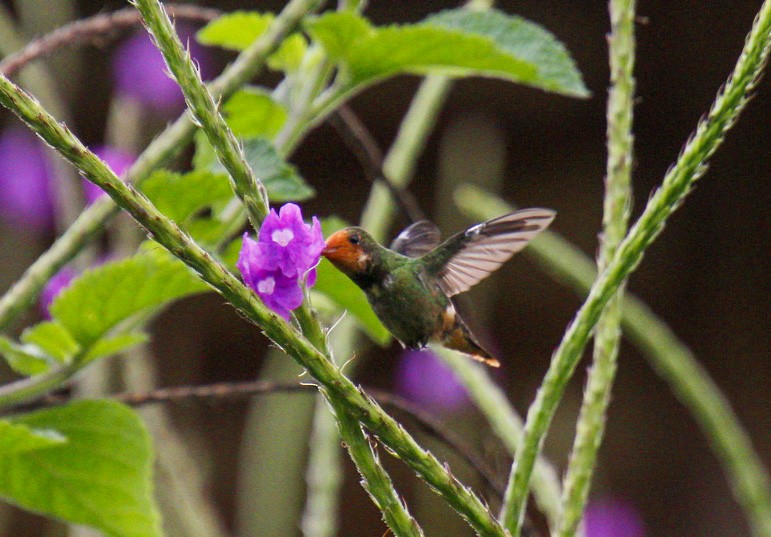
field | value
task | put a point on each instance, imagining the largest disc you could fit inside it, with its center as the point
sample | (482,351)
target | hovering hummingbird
(411,284)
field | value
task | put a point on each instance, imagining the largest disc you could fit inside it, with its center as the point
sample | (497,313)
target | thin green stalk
(163,148)
(323,475)
(675,187)
(506,424)
(37,77)
(375,479)
(669,356)
(190,511)
(201,103)
(166,232)
(31,387)
(590,427)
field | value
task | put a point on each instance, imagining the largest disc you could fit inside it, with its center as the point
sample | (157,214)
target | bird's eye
(353,239)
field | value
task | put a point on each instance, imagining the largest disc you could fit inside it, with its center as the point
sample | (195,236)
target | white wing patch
(489,245)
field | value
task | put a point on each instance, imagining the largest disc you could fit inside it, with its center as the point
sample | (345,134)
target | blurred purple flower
(424,379)
(52,289)
(613,518)
(25,180)
(117,159)
(287,249)
(140,73)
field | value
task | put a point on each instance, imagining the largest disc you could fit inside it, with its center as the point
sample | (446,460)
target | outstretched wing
(417,239)
(467,258)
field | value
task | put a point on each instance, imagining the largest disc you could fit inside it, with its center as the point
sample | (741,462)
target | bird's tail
(461,339)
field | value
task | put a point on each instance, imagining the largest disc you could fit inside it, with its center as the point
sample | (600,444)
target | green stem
(166,232)
(376,481)
(323,475)
(506,424)
(675,187)
(229,152)
(31,387)
(158,153)
(37,77)
(607,336)
(669,356)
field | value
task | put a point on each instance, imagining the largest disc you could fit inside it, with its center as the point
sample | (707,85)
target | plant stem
(323,475)
(249,190)
(675,187)
(158,153)
(166,232)
(506,424)
(376,481)
(607,336)
(668,355)
(31,387)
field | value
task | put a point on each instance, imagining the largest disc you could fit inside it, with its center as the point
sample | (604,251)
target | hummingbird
(411,284)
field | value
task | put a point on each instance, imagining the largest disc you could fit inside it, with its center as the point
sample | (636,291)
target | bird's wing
(416,240)
(467,258)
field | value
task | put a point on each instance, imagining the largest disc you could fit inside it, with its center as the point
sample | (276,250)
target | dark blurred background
(705,275)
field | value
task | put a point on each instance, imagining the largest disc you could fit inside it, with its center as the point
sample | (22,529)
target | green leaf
(109,346)
(101,298)
(53,339)
(18,438)
(252,113)
(100,477)
(25,360)
(179,196)
(280,178)
(239,29)
(523,39)
(339,31)
(456,42)
(236,30)
(289,55)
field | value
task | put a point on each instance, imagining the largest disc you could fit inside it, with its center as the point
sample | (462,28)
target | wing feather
(482,249)
(417,239)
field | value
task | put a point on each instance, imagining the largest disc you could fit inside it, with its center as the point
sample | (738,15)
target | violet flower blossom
(26,198)
(422,378)
(612,518)
(140,73)
(286,251)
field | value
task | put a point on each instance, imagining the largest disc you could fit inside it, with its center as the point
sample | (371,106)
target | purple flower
(117,159)
(55,285)
(140,73)
(289,244)
(613,518)
(286,251)
(424,379)
(25,180)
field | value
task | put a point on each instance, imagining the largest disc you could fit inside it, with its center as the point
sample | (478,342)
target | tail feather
(461,339)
